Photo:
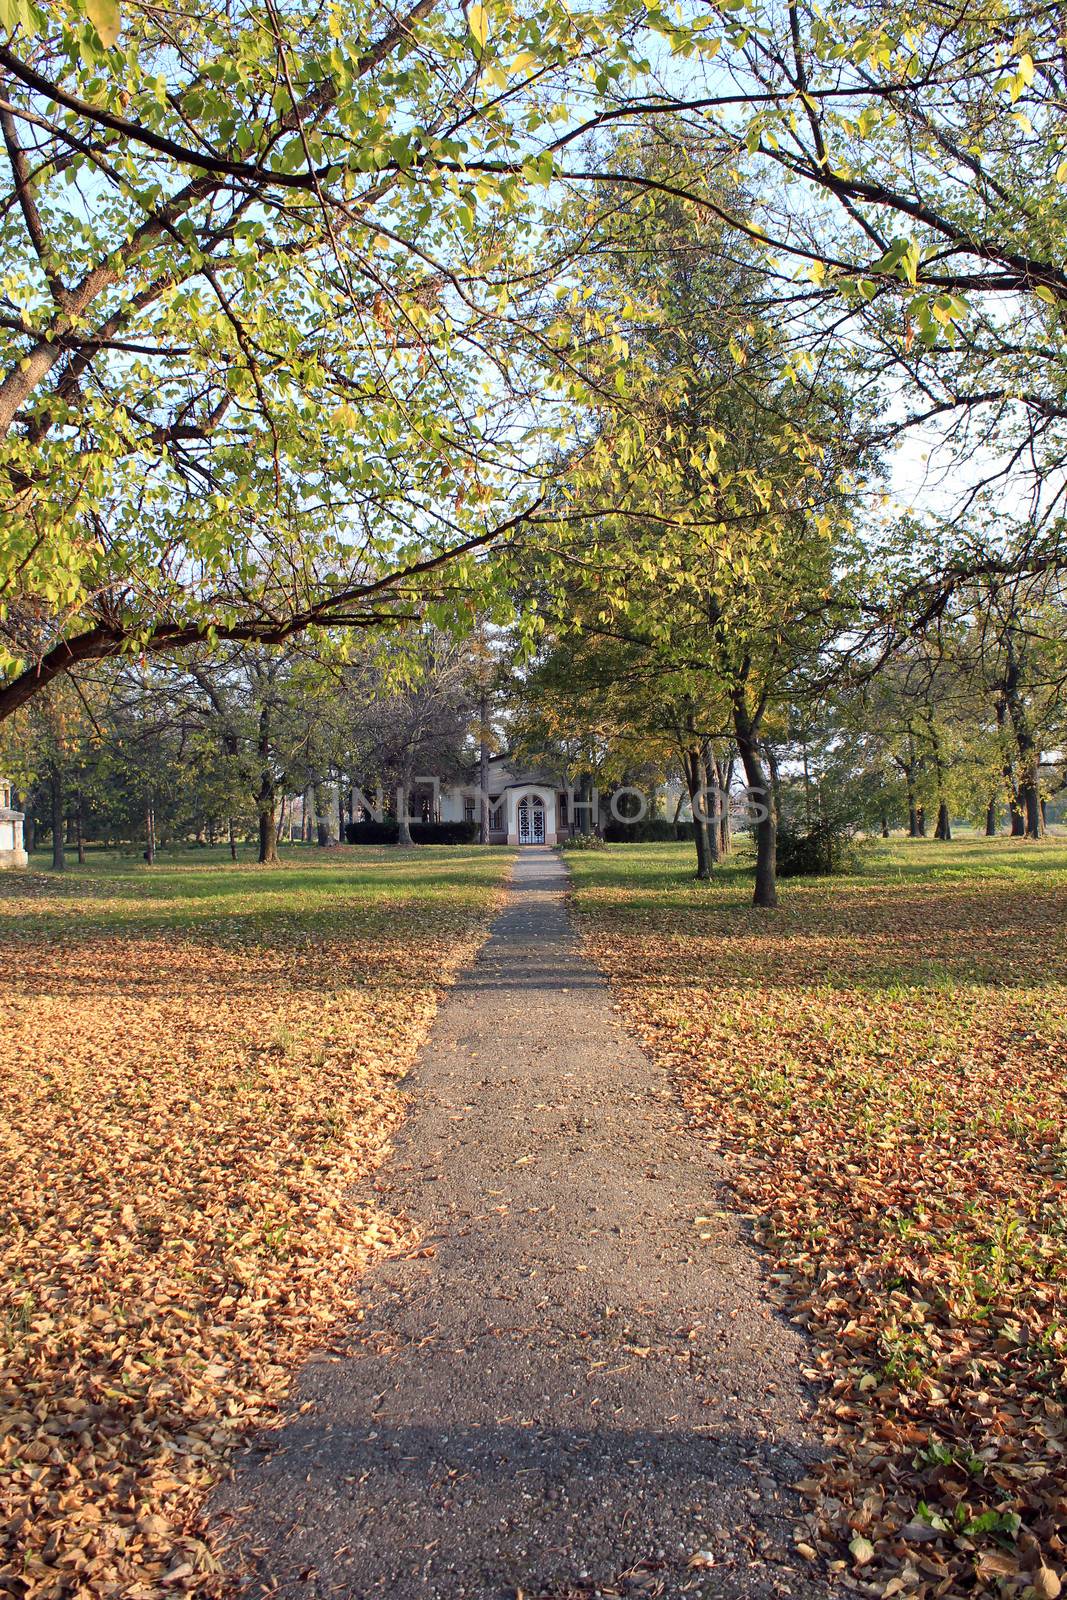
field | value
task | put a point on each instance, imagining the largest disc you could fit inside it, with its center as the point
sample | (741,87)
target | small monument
(12,849)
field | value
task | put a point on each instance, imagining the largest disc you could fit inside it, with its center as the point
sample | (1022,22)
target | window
(468,809)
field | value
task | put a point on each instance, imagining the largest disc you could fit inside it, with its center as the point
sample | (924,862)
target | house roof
(517,777)
(532,780)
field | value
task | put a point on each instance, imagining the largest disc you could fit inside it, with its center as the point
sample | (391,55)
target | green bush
(650,830)
(823,851)
(582,841)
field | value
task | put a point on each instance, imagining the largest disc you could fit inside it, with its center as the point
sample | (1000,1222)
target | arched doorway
(531,819)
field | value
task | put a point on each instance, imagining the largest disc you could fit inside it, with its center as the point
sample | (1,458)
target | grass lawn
(883,1062)
(196,1062)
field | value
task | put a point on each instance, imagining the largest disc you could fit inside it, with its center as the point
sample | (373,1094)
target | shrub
(582,841)
(388,832)
(826,849)
(650,830)
(445,832)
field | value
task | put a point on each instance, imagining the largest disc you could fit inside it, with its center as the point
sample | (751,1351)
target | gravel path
(581,1386)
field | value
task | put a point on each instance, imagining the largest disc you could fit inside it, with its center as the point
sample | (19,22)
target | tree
(727,556)
(609,709)
(258,269)
(53,750)
(420,716)
(1017,650)
(258,707)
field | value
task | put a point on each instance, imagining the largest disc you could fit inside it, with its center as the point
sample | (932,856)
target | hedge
(388,832)
(650,830)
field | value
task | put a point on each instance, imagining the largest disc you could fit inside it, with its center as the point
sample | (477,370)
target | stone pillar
(12,847)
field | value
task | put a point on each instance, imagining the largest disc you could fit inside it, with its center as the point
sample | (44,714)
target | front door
(531,820)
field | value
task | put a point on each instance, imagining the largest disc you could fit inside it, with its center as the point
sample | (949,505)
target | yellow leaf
(478,22)
(862,1550)
(106,18)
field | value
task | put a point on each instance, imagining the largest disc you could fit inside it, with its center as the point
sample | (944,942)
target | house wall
(12,853)
(507,798)
(451,806)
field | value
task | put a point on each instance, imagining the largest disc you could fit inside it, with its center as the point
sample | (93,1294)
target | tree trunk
(943,826)
(232,838)
(403,838)
(908,770)
(885,826)
(920,823)
(268,830)
(1030,796)
(761,800)
(267,796)
(991,819)
(776,782)
(1025,741)
(322,826)
(709,777)
(79,822)
(1016,825)
(340,809)
(724,777)
(693,780)
(55,778)
(403,807)
(267,820)
(483,768)
(149,833)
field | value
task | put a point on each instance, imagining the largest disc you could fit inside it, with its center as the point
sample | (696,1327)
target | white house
(12,850)
(526,805)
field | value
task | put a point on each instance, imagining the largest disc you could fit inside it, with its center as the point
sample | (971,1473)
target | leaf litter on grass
(182,1119)
(885,1069)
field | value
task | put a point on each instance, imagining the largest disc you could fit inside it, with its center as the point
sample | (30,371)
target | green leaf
(16,12)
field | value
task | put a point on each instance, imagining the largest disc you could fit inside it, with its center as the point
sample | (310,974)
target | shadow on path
(575,1385)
